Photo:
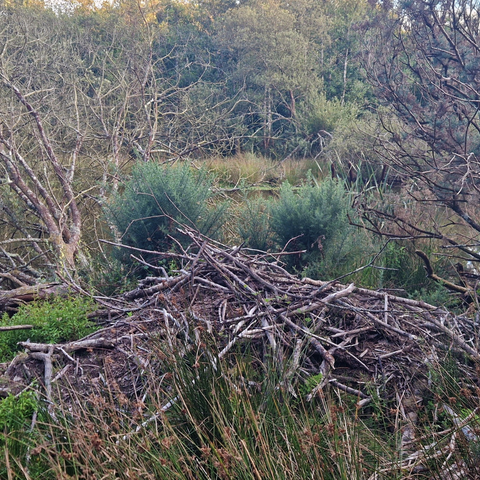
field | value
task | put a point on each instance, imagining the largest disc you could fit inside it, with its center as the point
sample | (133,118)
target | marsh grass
(249,168)
(219,427)
(235,418)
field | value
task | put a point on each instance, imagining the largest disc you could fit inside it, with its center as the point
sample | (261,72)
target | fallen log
(12,299)
(69,347)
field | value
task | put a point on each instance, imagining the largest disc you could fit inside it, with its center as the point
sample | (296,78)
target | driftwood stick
(62,372)
(16,327)
(455,338)
(430,274)
(251,272)
(314,342)
(148,292)
(391,328)
(46,358)
(347,389)
(374,293)
(228,275)
(353,332)
(17,296)
(295,362)
(329,299)
(70,347)
(342,293)
(271,337)
(214,285)
(324,371)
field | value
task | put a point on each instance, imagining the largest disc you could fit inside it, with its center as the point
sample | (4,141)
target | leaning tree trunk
(57,207)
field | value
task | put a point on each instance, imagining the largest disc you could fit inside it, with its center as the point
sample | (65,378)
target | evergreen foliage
(253,224)
(314,218)
(314,212)
(158,199)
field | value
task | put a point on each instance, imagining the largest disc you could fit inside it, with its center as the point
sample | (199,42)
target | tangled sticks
(318,336)
(348,335)
(319,333)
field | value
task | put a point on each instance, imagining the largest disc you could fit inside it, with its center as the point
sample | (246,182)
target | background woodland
(329,142)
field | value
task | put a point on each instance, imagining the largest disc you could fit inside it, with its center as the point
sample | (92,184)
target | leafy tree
(340,67)
(274,61)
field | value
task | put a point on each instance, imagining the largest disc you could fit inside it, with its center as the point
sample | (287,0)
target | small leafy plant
(16,413)
(54,320)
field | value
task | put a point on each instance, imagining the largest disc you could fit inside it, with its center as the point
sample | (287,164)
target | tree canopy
(376,94)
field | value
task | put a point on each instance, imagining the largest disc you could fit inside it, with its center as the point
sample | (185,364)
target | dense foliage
(157,200)
(95,98)
(315,219)
(53,321)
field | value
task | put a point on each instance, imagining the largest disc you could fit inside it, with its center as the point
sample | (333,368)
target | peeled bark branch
(61,217)
(442,281)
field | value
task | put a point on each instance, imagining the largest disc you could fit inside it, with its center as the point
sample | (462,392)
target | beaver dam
(240,315)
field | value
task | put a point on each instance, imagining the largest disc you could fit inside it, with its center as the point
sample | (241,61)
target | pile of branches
(311,327)
(359,341)
(349,335)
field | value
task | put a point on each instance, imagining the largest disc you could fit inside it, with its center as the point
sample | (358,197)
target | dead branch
(16,327)
(442,281)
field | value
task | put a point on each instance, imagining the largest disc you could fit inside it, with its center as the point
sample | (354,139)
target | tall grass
(249,168)
(222,426)
(239,418)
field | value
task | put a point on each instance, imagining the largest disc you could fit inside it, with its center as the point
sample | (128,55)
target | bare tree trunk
(345,67)
(268,124)
(59,214)
(293,107)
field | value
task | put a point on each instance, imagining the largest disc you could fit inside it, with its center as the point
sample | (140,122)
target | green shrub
(406,271)
(15,437)
(56,320)
(317,214)
(157,199)
(16,411)
(346,251)
(312,212)
(109,275)
(253,223)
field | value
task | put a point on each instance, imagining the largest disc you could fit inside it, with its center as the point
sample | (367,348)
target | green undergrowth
(17,414)
(54,320)
(201,417)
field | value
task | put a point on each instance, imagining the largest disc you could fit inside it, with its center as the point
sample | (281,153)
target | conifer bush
(314,218)
(157,199)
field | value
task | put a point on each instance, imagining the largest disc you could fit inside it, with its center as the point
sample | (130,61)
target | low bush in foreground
(54,321)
